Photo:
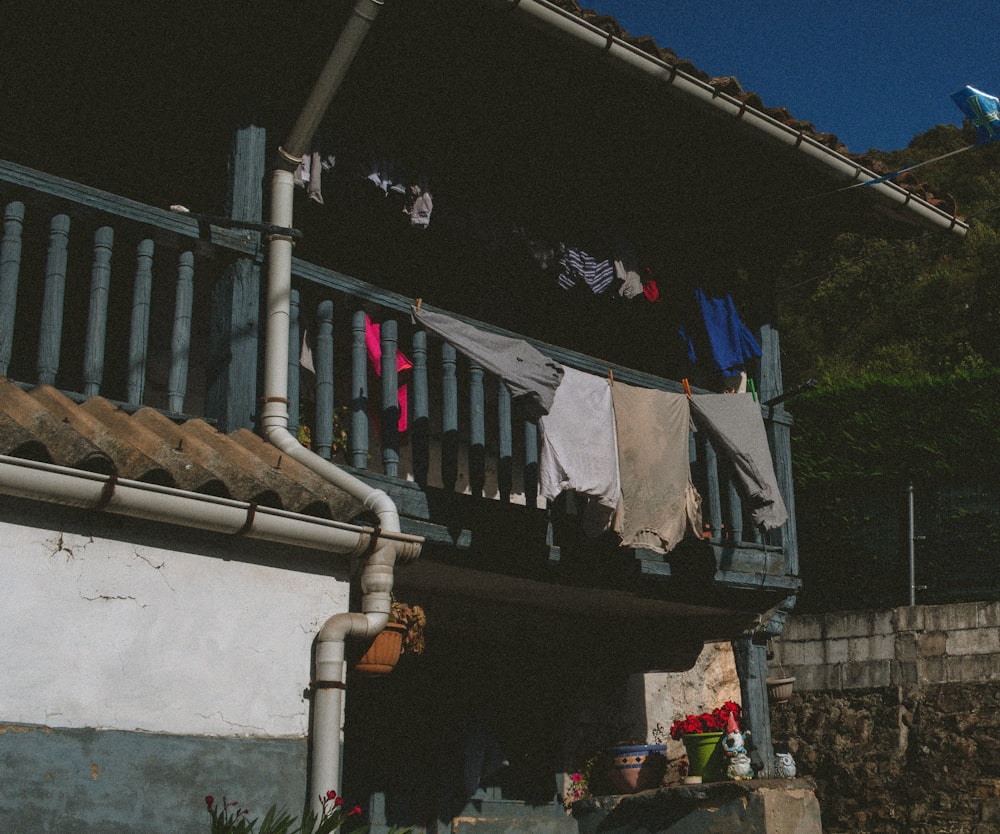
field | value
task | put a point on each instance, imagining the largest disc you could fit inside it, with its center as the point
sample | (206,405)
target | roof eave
(897,198)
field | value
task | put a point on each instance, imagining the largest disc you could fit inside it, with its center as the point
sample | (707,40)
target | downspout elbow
(350,624)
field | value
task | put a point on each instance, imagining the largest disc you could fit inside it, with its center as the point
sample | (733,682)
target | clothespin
(419,302)
(687,386)
(753,389)
(611,377)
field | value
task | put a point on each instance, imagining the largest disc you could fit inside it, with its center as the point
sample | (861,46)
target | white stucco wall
(112,635)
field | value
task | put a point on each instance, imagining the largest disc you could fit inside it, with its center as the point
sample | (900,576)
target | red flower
(338,801)
(707,722)
(331,794)
(209,800)
(355,810)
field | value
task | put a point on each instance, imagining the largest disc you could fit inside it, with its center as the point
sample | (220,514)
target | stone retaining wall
(896,715)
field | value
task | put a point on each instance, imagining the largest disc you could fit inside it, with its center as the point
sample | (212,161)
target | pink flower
(576,777)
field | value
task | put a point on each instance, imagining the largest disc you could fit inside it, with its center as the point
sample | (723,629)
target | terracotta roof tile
(34,433)
(98,436)
(294,470)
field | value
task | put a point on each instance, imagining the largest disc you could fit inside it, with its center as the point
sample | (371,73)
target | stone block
(951,617)
(870,674)
(973,641)
(905,648)
(932,670)
(816,678)
(803,628)
(907,674)
(847,624)
(875,647)
(883,646)
(859,649)
(837,651)
(988,614)
(908,618)
(932,644)
(972,668)
(766,806)
(814,653)
(789,653)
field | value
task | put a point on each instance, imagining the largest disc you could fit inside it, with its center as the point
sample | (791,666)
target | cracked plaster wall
(112,634)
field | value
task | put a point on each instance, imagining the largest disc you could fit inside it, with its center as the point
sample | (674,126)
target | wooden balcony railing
(100,295)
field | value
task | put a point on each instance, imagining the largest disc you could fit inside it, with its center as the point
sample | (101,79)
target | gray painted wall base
(111,782)
(765,806)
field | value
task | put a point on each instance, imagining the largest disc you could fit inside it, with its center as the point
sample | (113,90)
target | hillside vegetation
(902,338)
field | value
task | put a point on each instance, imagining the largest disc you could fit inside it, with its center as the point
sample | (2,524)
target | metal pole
(913,559)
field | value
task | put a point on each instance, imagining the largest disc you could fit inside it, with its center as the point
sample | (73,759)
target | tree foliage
(872,307)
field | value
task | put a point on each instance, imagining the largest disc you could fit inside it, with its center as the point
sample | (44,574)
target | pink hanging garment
(373,342)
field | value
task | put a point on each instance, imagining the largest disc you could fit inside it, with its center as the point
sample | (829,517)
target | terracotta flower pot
(383,654)
(779,690)
(637,767)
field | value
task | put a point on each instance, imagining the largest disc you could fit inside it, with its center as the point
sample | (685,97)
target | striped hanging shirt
(579,268)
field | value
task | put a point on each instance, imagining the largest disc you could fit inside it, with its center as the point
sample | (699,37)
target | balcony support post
(750,654)
(234,368)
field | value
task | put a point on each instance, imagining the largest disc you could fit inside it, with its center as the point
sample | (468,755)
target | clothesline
(624,447)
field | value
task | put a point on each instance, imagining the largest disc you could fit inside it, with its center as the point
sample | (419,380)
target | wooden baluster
(477,430)
(390,398)
(10,270)
(505,446)
(531,464)
(323,431)
(714,496)
(138,342)
(54,302)
(449,417)
(180,342)
(359,392)
(420,417)
(97,318)
(735,526)
(294,369)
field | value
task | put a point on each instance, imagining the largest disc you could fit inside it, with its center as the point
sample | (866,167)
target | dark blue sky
(875,73)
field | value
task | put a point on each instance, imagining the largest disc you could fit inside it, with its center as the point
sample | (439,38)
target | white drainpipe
(377,575)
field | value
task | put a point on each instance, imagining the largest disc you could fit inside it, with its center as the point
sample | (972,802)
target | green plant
(340,440)
(414,619)
(581,781)
(228,817)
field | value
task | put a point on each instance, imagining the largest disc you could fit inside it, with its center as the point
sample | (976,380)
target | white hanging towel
(580,447)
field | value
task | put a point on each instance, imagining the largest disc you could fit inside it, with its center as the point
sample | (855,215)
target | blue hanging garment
(730,339)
